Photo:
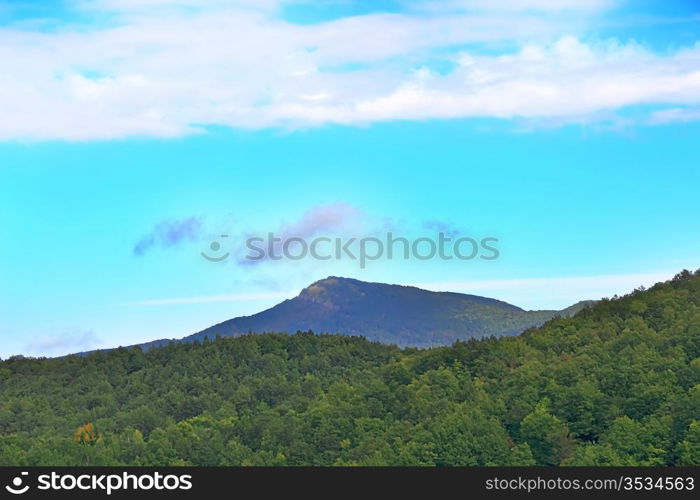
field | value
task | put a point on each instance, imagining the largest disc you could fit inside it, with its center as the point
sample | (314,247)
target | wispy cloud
(561,291)
(168,68)
(232,297)
(169,233)
(331,217)
(690,114)
(64,343)
(440,226)
(527,292)
(325,219)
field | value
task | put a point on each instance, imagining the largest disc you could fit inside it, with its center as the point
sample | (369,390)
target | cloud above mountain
(169,233)
(63,343)
(169,68)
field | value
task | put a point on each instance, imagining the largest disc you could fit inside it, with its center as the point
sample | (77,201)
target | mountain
(391,314)
(616,385)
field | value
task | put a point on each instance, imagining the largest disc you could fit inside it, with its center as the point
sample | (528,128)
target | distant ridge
(392,314)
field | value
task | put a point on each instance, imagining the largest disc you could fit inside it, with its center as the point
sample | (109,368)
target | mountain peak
(334,281)
(389,313)
(392,314)
(329,282)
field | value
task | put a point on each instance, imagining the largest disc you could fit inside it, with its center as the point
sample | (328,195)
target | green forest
(617,384)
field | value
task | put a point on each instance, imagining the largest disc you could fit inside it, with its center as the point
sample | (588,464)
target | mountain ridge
(403,315)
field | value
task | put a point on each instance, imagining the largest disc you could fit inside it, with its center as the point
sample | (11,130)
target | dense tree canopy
(618,384)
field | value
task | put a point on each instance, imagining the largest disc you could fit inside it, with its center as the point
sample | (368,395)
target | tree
(86,434)
(465,436)
(689,448)
(547,436)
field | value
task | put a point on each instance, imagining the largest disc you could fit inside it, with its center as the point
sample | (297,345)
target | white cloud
(229,64)
(541,6)
(551,6)
(568,78)
(160,6)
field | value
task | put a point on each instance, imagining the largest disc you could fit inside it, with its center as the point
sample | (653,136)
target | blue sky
(568,130)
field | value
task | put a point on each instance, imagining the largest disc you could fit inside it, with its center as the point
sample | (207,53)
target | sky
(144,142)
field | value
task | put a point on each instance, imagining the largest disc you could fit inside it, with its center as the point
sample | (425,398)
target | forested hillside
(618,384)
